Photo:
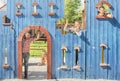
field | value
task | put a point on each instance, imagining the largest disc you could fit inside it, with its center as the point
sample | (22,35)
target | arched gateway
(49,46)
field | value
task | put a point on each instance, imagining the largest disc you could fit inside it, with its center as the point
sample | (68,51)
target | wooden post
(84,16)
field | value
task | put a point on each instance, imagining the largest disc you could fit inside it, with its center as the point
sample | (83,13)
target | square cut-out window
(73,14)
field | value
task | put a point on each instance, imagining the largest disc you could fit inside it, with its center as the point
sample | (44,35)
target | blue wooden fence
(102,31)
(97,31)
(9,37)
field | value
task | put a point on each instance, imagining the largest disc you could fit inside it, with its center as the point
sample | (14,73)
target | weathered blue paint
(97,32)
(9,37)
(102,31)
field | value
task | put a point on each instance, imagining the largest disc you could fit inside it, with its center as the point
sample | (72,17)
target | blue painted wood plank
(82,59)
(76,74)
(97,31)
(57,35)
(87,70)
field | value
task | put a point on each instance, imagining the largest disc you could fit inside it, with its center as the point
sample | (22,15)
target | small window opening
(64,57)
(104,10)
(6,19)
(76,57)
(103,64)
(73,14)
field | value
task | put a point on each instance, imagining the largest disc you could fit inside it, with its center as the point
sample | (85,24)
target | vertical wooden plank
(118,42)
(58,53)
(87,70)
(114,41)
(11,43)
(112,44)
(81,42)
(75,74)
(1,48)
(20,61)
(69,54)
(92,38)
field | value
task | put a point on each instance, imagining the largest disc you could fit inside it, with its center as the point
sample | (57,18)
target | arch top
(26,29)
(103,2)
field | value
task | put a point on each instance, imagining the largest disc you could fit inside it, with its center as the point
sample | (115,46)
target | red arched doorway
(49,48)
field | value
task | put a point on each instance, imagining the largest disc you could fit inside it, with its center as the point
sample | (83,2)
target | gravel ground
(36,72)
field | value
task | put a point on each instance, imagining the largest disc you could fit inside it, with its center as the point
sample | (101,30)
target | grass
(36,48)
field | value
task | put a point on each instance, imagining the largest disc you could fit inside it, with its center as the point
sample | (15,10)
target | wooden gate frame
(49,48)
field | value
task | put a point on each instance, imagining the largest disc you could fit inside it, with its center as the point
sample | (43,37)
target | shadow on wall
(55,10)
(15,52)
(38,16)
(84,38)
(115,23)
(55,16)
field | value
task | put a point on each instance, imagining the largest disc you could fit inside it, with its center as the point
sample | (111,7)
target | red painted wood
(20,59)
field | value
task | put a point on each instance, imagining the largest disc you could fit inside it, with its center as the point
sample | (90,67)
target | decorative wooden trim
(49,48)
(18,4)
(7,24)
(103,45)
(18,13)
(35,4)
(64,48)
(103,17)
(64,67)
(103,2)
(51,13)
(35,13)
(6,66)
(51,4)
(20,59)
(77,48)
(78,68)
(104,65)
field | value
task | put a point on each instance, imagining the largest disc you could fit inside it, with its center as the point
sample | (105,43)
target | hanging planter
(103,10)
